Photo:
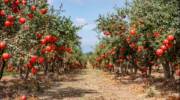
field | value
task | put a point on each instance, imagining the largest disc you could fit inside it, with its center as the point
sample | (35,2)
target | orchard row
(141,37)
(35,37)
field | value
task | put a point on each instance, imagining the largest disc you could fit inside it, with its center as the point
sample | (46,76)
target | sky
(85,12)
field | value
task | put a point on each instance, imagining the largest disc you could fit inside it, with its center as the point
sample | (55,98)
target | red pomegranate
(159,52)
(169,45)
(6,56)
(107,33)
(43,11)
(48,38)
(165,41)
(69,50)
(38,35)
(23,97)
(53,39)
(10,18)
(24,2)
(30,16)
(163,47)
(48,48)
(2,13)
(110,65)
(17,2)
(133,32)
(156,34)
(6,1)
(34,70)
(2,45)
(170,37)
(41,60)
(43,41)
(33,7)
(8,23)
(33,59)
(22,20)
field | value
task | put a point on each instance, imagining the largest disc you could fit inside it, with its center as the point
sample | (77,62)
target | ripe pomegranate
(48,38)
(6,1)
(17,2)
(107,33)
(23,97)
(43,11)
(24,2)
(133,32)
(159,52)
(41,60)
(163,47)
(22,20)
(34,70)
(43,41)
(38,35)
(69,50)
(53,47)
(2,13)
(8,23)
(170,37)
(110,65)
(29,65)
(2,45)
(156,34)
(10,18)
(15,9)
(53,39)
(6,56)
(43,51)
(33,7)
(169,45)
(113,52)
(33,59)
(30,16)
(165,41)
(48,48)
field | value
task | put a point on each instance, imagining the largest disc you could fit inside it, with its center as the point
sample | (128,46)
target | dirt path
(89,84)
(85,84)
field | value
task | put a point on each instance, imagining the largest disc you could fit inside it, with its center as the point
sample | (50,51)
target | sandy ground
(91,84)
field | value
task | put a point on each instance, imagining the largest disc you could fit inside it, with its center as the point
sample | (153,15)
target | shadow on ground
(15,87)
(68,92)
(58,92)
(159,83)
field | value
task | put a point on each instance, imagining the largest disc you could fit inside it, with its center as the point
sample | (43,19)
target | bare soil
(89,84)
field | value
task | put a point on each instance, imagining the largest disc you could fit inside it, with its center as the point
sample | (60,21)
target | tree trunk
(167,72)
(27,74)
(52,68)
(20,72)
(46,68)
(2,66)
(150,70)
